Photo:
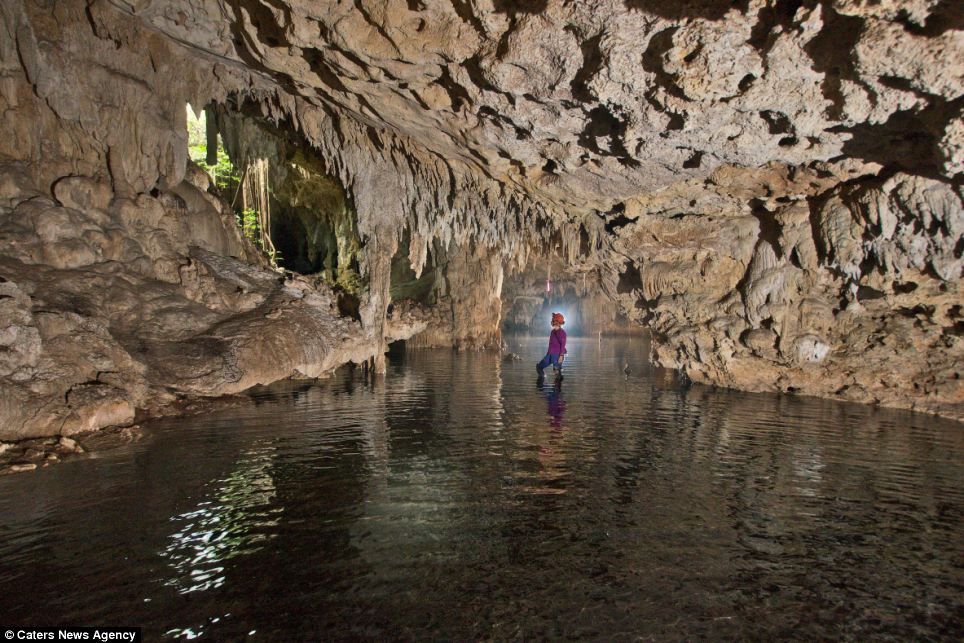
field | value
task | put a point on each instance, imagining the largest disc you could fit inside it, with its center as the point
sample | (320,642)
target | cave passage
(284,199)
(275,278)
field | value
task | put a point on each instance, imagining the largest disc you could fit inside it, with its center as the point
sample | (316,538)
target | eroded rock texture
(773,186)
(124,305)
(124,284)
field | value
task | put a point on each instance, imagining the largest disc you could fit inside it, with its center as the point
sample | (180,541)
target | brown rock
(82,193)
(762,341)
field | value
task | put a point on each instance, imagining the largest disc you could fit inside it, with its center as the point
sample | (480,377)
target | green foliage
(351,282)
(251,228)
(248,222)
(195,128)
(226,178)
(225,175)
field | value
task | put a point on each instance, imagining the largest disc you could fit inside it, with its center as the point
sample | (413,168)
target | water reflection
(451,501)
(235,521)
(556,403)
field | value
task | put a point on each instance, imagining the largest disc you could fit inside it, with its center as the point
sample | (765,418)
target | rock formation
(773,187)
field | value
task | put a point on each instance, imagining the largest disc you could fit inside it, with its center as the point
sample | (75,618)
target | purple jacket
(557,342)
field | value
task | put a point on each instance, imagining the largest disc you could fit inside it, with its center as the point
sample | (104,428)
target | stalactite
(435,199)
(378,261)
(107,103)
(211,134)
(394,185)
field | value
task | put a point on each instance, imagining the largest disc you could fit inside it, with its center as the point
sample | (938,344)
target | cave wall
(466,298)
(125,285)
(772,186)
(837,288)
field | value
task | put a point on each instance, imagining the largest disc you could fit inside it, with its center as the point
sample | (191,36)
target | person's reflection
(556,402)
(553,463)
(557,405)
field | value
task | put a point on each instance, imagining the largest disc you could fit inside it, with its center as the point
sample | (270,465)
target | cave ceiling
(585,105)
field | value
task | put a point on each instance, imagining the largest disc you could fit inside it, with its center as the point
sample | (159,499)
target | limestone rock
(92,406)
(762,341)
(83,193)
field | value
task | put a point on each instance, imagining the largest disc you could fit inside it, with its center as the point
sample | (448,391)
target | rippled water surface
(457,499)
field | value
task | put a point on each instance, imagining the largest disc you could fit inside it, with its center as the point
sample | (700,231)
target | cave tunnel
(279,366)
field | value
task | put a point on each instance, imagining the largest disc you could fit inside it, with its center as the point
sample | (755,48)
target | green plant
(248,221)
(351,282)
(227,180)
(224,174)
(196,128)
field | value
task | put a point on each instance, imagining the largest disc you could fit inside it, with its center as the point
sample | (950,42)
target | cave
(276,279)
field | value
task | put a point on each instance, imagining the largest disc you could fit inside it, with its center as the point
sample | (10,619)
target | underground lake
(458,498)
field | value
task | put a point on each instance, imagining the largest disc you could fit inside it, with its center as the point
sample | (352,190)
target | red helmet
(557,318)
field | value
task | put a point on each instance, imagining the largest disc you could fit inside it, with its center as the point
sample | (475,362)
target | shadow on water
(451,500)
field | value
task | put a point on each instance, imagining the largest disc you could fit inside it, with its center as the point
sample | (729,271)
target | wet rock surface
(32,453)
(774,188)
(147,304)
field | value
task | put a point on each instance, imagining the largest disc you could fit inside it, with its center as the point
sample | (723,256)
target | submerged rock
(20,467)
(70,445)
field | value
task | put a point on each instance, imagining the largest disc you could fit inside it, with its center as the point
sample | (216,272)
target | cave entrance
(283,196)
(314,226)
(243,185)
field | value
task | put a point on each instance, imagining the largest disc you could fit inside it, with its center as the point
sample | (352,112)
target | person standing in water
(557,348)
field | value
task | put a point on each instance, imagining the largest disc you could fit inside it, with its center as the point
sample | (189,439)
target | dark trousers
(550,358)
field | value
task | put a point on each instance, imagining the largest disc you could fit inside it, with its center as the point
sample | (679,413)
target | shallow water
(457,499)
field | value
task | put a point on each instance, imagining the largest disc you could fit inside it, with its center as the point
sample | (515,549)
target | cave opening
(243,183)
(314,227)
(284,198)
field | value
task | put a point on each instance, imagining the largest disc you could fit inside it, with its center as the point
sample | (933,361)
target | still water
(458,499)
